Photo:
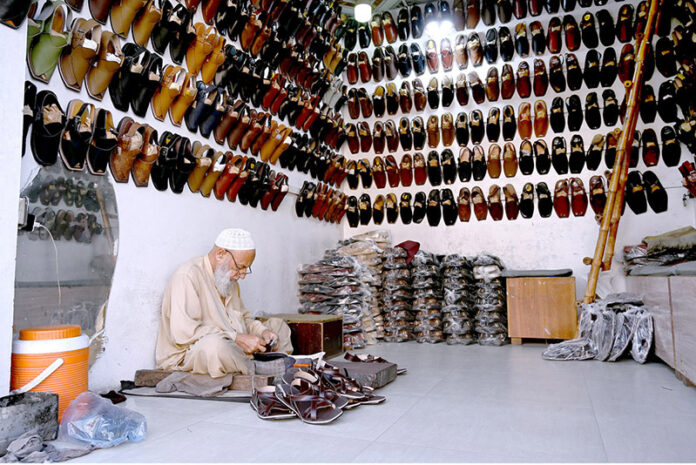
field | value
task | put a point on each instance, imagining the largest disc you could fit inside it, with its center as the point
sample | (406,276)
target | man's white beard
(222,280)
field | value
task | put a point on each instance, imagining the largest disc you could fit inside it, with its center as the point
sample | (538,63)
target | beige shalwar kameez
(197,329)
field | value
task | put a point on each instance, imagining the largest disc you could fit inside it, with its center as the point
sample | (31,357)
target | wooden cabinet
(541,308)
(315,333)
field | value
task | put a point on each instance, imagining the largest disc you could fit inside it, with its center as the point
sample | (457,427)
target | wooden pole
(612,209)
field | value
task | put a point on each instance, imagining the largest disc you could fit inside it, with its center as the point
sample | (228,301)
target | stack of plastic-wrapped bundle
(490,302)
(397,296)
(427,297)
(459,289)
(369,255)
(334,285)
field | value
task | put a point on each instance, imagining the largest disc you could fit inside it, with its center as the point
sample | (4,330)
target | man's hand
(271,339)
(250,344)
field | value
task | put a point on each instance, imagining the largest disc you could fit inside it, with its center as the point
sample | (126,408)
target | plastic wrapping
(624,327)
(603,333)
(574,349)
(90,419)
(489,301)
(642,337)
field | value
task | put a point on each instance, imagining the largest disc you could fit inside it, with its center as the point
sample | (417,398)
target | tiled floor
(456,404)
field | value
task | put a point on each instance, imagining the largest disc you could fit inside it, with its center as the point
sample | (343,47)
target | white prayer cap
(235,239)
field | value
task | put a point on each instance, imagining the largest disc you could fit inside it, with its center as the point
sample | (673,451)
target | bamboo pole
(612,209)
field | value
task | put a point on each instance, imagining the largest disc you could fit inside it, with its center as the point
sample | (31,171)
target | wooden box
(541,308)
(315,333)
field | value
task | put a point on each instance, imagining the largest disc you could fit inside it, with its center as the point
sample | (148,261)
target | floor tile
(389,452)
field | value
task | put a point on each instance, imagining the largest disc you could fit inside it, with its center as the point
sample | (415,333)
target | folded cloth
(30,448)
(198,385)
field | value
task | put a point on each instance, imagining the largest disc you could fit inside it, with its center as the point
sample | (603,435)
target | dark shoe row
(73,193)
(321,202)
(445,168)
(562,72)
(66,225)
(411,23)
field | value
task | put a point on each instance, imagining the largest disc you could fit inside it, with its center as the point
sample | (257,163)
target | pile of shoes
(490,301)
(459,289)
(397,297)
(317,393)
(427,293)
(607,328)
(369,255)
(334,286)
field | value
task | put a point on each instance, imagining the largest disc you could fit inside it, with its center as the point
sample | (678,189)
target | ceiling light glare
(363,12)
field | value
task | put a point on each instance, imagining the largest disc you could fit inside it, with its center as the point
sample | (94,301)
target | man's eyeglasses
(242,270)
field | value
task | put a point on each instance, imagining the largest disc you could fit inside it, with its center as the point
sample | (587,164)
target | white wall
(535,243)
(12,85)
(161,230)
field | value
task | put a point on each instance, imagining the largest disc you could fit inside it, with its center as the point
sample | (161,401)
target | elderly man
(205,328)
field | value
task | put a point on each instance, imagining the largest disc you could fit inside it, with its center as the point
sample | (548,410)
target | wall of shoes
(513,116)
(207,115)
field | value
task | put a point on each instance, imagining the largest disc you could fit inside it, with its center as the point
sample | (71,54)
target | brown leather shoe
(512,208)
(420,98)
(461,91)
(492,86)
(578,196)
(405,99)
(392,136)
(495,203)
(353,103)
(406,170)
(553,36)
(99,9)
(494,162)
(392,169)
(524,83)
(541,78)
(130,143)
(210,8)
(507,82)
(598,195)
(376,30)
(365,136)
(202,46)
(446,55)
(431,57)
(561,201)
(524,120)
(149,153)
(478,93)
(183,100)
(480,205)
(248,34)
(365,103)
(364,67)
(474,49)
(433,131)
(379,140)
(123,13)
(214,60)
(109,61)
(447,127)
(420,173)
(75,60)
(173,79)
(389,27)
(510,160)
(541,118)
(204,155)
(460,54)
(464,204)
(145,22)
(473,13)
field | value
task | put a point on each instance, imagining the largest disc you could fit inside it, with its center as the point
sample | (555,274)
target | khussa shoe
(607,33)
(635,193)
(392,208)
(542,157)
(526,157)
(352,213)
(656,194)
(464,168)
(511,202)
(75,60)
(434,170)
(664,57)
(594,153)
(557,117)
(434,209)
(578,197)
(494,162)
(479,204)
(145,22)
(591,73)
(490,48)
(598,196)
(671,148)
(526,205)
(476,126)
(609,68)
(577,154)
(559,157)
(77,134)
(108,63)
(47,127)
(479,166)
(48,40)
(419,207)
(589,32)
(378,210)
(524,84)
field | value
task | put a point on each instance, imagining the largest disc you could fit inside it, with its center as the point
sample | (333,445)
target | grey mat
(228,396)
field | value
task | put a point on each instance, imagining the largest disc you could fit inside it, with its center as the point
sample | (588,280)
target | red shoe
(561,202)
(578,197)
(241,179)
(232,169)
(284,187)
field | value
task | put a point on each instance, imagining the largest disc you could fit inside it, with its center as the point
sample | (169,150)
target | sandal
(267,406)
(311,409)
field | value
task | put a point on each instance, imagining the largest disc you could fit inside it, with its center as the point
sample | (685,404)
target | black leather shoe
(434,170)
(609,68)
(544,200)
(183,38)
(449,167)
(476,126)
(542,157)
(607,34)
(450,209)
(125,81)
(521,40)
(416,22)
(594,154)
(403,24)
(666,105)
(635,193)
(148,80)
(75,138)
(559,157)
(405,209)
(589,31)
(493,124)
(365,209)
(671,148)
(184,165)
(404,61)
(462,129)
(46,131)
(509,123)
(392,208)
(657,195)
(527,201)
(665,60)
(538,38)
(556,76)
(364,36)
(611,107)
(488,12)
(491,46)
(433,94)
(507,46)
(573,71)
(526,157)
(557,116)
(165,29)
(574,111)
(419,205)
(28,111)
(434,209)
(577,154)
(103,142)
(447,91)
(592,115)
(591,74)
(351,37)
(464,167)
(479,166)
(417,59)
(648,104)
(352,212)
(419,134)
